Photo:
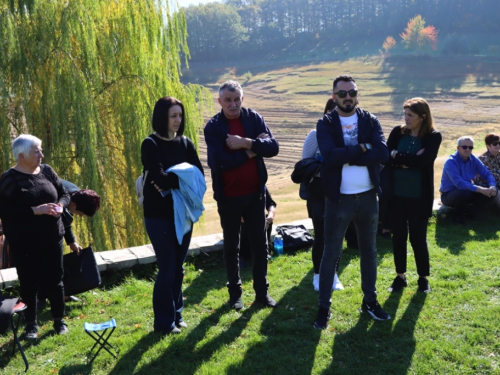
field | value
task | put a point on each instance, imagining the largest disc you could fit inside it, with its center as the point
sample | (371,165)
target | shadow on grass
(424,76)
(373,347)
(286,336)
(187,353)
(453,236)
(132,357)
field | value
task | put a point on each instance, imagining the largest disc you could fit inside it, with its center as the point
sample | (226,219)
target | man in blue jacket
(457,189)
(353,147)
(237,141)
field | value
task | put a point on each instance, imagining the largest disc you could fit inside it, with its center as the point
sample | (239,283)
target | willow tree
(83,76)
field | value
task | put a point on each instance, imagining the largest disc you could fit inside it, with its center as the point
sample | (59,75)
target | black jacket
(335,153)
(221,160)
(425,162)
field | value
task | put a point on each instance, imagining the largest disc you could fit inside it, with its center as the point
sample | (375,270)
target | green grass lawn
(452,330)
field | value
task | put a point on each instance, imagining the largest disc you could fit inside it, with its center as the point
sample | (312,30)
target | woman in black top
(413,148)
(31,202)
(163,149)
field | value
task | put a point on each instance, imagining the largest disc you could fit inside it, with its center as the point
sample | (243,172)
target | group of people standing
(352,149)
(342,199)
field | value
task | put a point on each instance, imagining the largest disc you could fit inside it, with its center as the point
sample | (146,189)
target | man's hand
(75,248)
(250,154)
(235,142)
(487,192)
(270,216)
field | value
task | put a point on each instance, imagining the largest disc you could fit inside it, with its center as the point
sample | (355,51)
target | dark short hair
(87,201)
(330,106)
(160,115)
(344,78)
(490,138)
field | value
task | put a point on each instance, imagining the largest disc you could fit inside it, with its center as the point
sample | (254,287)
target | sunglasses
(467,147)
(342,93)
(495,144)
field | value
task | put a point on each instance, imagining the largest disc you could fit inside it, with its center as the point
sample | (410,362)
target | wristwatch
(368,146)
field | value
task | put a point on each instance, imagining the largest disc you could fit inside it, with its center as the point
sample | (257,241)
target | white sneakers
(316,282)
(337,285)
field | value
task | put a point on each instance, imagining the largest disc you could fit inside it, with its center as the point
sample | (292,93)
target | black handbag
(81,273)
(295,237)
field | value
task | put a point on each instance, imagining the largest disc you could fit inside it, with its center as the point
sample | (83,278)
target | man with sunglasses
(457,188)
(353,146)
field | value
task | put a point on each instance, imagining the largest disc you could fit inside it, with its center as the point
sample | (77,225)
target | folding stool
(101,339)
(11,307)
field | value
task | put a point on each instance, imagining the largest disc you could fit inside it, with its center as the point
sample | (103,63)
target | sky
(186,3)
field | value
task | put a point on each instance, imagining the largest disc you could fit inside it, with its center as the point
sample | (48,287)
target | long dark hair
(160,115)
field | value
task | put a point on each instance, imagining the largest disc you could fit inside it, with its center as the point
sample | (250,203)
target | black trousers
(245,248)
(464,201)
(251,208)
(408,217)
(40,266)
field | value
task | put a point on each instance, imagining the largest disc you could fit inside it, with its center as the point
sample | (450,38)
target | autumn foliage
(389,43)
(418,37)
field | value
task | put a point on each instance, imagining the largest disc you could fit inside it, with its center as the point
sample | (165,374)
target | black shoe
(31,332)
(375,310)
(324,315)
(236,303)
(267,301)
(423,285)
(398,284)
(60,327)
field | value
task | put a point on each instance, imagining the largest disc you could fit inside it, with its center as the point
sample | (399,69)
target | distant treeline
(252,28)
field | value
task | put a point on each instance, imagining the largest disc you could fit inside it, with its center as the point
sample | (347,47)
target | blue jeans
(362,209)
(170,256)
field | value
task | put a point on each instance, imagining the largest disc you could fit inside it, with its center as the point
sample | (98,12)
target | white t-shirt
(355,179)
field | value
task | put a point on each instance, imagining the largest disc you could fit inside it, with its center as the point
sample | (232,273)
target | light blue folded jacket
(188,199)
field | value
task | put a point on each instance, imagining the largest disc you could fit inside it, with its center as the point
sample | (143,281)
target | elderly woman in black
(31,202)
(413,149)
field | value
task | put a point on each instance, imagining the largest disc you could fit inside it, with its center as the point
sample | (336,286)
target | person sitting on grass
(491,160)
(457,189)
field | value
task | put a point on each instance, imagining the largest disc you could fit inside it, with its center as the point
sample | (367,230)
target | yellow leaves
(84,75)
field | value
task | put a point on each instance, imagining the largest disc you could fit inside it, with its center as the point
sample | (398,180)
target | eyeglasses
(342,93)
(467,147)
(495,144)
